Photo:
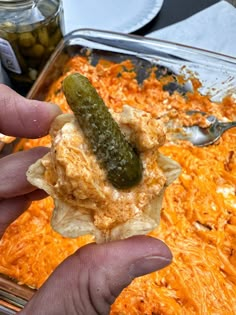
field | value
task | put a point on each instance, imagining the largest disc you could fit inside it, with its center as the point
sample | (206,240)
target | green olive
(38,50)
(26,40)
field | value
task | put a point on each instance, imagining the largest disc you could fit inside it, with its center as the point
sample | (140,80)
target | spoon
(199,136)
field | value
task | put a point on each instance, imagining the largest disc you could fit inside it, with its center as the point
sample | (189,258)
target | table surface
(171,12)
(174,11)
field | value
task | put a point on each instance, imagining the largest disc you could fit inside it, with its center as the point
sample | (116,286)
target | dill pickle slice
(119,159)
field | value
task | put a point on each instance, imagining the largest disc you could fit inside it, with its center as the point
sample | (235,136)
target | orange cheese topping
(198,219)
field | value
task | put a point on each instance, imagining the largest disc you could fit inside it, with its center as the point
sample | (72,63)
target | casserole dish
(216,75)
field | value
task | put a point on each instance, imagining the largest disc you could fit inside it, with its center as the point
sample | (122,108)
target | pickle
(53,25)
(55,37)
(19,57)
(122,164)
(43,36)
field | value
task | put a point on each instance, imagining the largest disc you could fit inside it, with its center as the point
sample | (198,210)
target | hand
(20,117)
(87,282)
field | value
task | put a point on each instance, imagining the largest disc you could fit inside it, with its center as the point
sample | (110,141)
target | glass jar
(29,32)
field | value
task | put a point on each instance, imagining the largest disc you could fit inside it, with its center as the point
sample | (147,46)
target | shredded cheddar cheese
(198,220)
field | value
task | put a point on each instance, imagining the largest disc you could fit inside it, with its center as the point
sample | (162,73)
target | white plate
(124,16)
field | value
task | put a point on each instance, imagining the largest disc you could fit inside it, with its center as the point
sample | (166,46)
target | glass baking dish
(216,73)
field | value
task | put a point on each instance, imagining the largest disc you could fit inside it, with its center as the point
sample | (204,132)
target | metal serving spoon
(204,136)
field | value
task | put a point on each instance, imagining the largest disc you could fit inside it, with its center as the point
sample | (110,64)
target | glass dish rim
(153,50)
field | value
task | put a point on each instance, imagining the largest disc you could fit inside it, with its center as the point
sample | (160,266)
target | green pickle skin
(122,164)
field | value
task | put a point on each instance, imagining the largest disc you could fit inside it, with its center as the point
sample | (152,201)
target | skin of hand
(87,282)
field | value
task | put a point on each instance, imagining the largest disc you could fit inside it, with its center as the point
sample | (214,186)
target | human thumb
(88,282)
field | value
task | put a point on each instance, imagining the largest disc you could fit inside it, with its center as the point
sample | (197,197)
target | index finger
(21,117)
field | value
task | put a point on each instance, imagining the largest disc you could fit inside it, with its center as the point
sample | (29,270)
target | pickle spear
(119,159)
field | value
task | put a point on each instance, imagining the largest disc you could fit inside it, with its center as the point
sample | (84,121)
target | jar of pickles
(29,32)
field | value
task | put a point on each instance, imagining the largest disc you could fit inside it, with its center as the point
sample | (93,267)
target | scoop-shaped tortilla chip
(85,202)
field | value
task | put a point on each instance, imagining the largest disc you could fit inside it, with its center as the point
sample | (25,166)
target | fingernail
(147,265)
(51,108)
(55,109)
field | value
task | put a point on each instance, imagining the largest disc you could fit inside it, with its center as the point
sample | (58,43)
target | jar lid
(16,1)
